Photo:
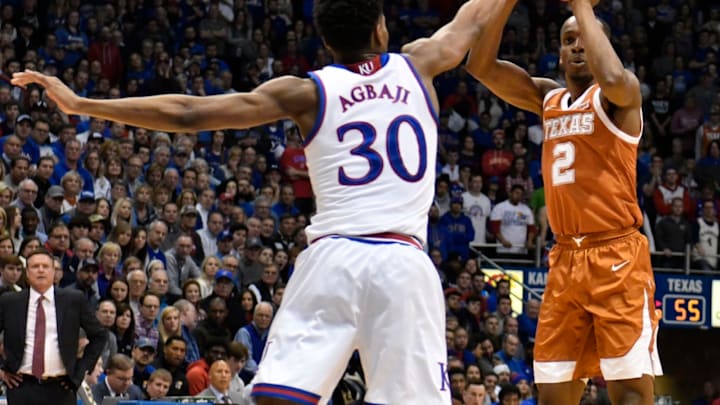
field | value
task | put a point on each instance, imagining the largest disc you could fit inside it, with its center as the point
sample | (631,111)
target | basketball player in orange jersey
(598,314)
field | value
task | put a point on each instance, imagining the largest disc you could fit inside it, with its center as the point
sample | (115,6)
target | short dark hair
(14,162)
(147,294)
(39,251)
(49,158)
(238,351)
(347,25)
(173,338)
(119,362)
(507,390)
(10,260)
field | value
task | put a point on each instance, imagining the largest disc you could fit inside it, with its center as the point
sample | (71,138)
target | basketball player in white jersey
(370,129)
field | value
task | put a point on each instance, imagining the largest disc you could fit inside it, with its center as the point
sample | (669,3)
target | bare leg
(566,393)
(637,391)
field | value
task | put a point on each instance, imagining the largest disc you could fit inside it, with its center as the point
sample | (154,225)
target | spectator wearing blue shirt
(286,205)
(509,356)
(71,38)
(23,129)
(527,321)
(459,228)
(73,151)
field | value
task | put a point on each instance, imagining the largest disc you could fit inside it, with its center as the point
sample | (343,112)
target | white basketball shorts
(379,296)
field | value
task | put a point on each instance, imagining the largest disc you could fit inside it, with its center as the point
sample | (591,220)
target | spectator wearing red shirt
(294,169)
(108,54)
(497,161)
(670,189)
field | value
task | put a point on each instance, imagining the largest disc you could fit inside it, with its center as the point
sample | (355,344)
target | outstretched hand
(65,98)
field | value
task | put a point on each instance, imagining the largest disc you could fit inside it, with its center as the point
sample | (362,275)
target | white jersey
(371,154)
(708,240)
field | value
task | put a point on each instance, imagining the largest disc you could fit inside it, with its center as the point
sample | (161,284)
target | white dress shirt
(219,395)
(53,362)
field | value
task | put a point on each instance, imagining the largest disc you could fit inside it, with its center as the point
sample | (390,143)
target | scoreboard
(685,301)
(688,301)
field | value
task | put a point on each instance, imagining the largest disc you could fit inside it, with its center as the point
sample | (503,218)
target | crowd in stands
(184,242)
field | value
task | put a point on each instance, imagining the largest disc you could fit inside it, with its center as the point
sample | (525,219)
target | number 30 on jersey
(375,159)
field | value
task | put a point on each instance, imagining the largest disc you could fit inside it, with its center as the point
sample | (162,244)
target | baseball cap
(55,191)
(456,200)
(224,235)
(96,218)
(253,242)
(97,136)
(226,197)
(144,343)
(223,274)
(452,291)
(88,264)
(501,368)
(87,196)
(23,117)
(274,167)
(188,210)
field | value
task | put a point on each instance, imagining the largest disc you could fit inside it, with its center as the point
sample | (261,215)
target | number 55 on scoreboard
(684,309)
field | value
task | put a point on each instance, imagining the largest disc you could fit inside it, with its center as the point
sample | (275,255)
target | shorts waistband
(382,236)
(592,239)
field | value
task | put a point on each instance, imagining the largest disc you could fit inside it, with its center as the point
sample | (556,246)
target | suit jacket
(72,313)
(100,391)
(236,397)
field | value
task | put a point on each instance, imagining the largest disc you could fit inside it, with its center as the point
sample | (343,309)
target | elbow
(186,117)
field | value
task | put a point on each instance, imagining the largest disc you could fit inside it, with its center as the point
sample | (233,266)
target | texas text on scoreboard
(685,301)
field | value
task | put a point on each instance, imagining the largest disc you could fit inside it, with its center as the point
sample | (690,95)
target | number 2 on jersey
(375,159)
(564,157)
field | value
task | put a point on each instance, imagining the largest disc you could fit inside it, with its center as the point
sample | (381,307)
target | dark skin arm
(620,87)
(449,45)
(281,98)
(505,79)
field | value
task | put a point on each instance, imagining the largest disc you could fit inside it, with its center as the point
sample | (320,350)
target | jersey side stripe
(597,106)
(322,104)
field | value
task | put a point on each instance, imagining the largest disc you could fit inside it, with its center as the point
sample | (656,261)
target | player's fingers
(24,78)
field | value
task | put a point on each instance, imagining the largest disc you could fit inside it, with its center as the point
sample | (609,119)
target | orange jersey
(588,166)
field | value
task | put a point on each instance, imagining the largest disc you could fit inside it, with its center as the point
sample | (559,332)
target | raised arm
(619,86)
(449,45)
(505,79)
(281,98)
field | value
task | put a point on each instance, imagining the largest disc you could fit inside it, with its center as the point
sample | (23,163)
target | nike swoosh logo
(616,267)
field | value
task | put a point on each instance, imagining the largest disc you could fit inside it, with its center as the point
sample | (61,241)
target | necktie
(38,360)
(226,399)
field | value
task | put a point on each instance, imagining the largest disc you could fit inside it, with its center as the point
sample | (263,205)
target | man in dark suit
(118,382)
(42,326)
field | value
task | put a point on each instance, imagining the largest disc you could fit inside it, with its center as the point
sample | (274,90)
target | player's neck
(356,58)
(578,86)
